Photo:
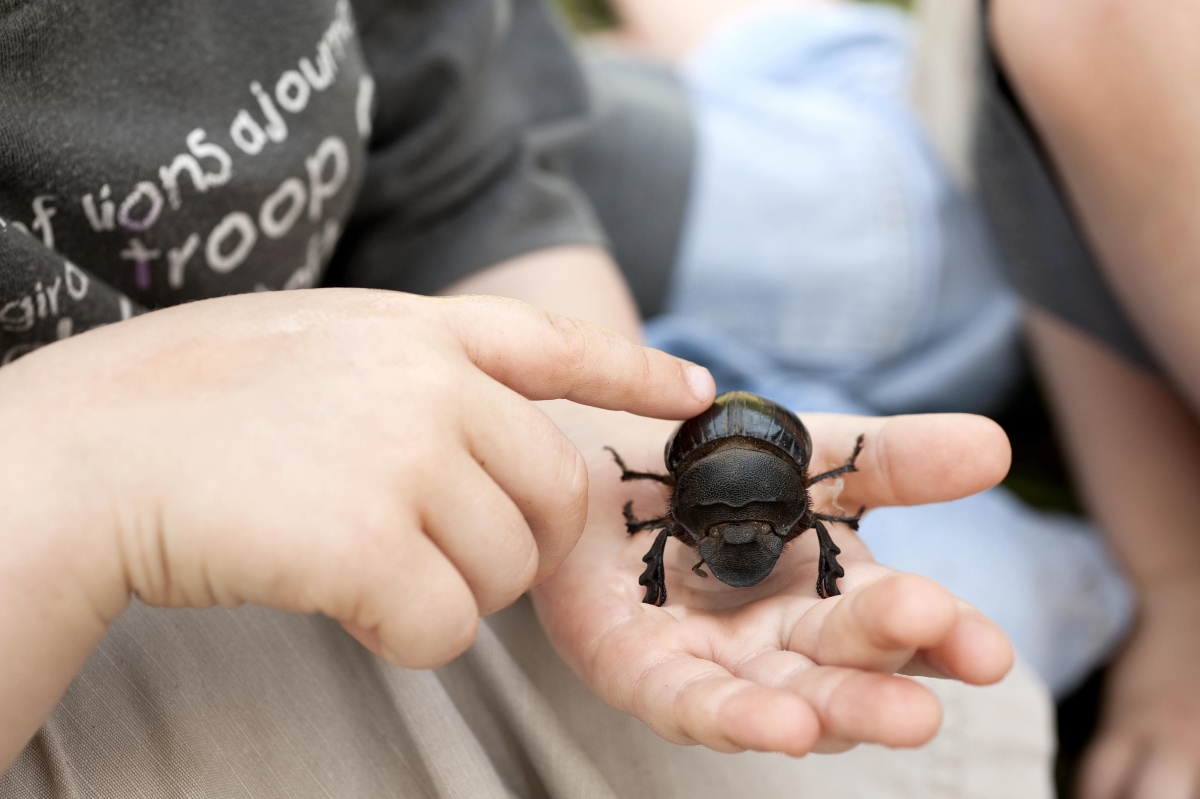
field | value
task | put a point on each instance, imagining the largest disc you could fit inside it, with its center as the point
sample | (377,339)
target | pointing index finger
(545,356)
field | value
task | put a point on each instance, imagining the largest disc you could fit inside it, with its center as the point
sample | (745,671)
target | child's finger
(975,651)
(911,460)
(853,705)
(533,462)
(889,617)
(544,356)
(402,593)
(1164,773)
(877,627)
(691,700)
(477,526)
(1108,766)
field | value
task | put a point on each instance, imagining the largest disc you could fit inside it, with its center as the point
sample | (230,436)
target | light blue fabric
(828,262)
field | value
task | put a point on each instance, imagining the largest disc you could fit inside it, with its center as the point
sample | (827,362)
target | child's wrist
(59,528)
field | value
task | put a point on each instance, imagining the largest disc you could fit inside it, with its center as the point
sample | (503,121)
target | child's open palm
(773,667)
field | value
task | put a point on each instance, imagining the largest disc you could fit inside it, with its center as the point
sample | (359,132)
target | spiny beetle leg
(851,521)
(627,475)
(655,575)
(828,569)
(633,525)
(845,468)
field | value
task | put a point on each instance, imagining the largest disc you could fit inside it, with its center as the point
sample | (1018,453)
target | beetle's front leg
(654,578)
(655,575)
(846,467)
(633,525)
(828,569)
(627,475)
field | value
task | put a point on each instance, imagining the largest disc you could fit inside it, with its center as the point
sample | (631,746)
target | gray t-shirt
(155,153)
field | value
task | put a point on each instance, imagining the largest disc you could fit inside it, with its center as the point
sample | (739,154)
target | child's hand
(1148,744)
(367,455)
(773,667)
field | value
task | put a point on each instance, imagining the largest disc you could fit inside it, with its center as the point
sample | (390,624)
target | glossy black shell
(743,415)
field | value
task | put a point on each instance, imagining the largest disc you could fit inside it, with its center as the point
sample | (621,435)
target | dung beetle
(739,483)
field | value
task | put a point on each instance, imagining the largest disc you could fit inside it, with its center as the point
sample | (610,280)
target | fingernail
(700,382)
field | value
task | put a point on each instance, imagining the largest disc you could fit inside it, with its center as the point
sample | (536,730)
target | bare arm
(1112,88)
(1135,449)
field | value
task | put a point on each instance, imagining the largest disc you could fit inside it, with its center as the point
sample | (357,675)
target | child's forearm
(60,582)
(1135,451)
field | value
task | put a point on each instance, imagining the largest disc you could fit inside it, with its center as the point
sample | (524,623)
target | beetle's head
(741,554)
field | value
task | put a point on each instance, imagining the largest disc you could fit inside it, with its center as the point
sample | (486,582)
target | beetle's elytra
(739,483)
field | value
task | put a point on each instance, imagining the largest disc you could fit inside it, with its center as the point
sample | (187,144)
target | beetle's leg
(698,570)
(633,525)
(851,521)
(627,475)
(845,468)
(828,569)
(655,575)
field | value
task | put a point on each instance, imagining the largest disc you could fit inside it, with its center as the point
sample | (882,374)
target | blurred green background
(593,15)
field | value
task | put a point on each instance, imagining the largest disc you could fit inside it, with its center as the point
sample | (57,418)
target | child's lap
(258,703)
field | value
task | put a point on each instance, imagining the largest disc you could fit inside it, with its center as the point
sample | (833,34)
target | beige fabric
(945,80)
(261,704)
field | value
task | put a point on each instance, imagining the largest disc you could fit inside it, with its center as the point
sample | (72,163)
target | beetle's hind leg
(845,468)
(828,569)
(627,475)
(850,521)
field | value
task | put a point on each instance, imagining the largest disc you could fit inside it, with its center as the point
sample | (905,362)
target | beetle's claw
(630,522)
(829,571)
(698,570)
(858,448)
(655,575)
(848,467)
(850,521)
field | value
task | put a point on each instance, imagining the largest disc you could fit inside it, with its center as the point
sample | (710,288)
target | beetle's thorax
(739,503)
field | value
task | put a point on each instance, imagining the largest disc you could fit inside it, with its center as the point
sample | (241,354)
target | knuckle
(574,341)
(512,574)
(647,368)
(430,634)
(559,535)
(885,469)
(574,480)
